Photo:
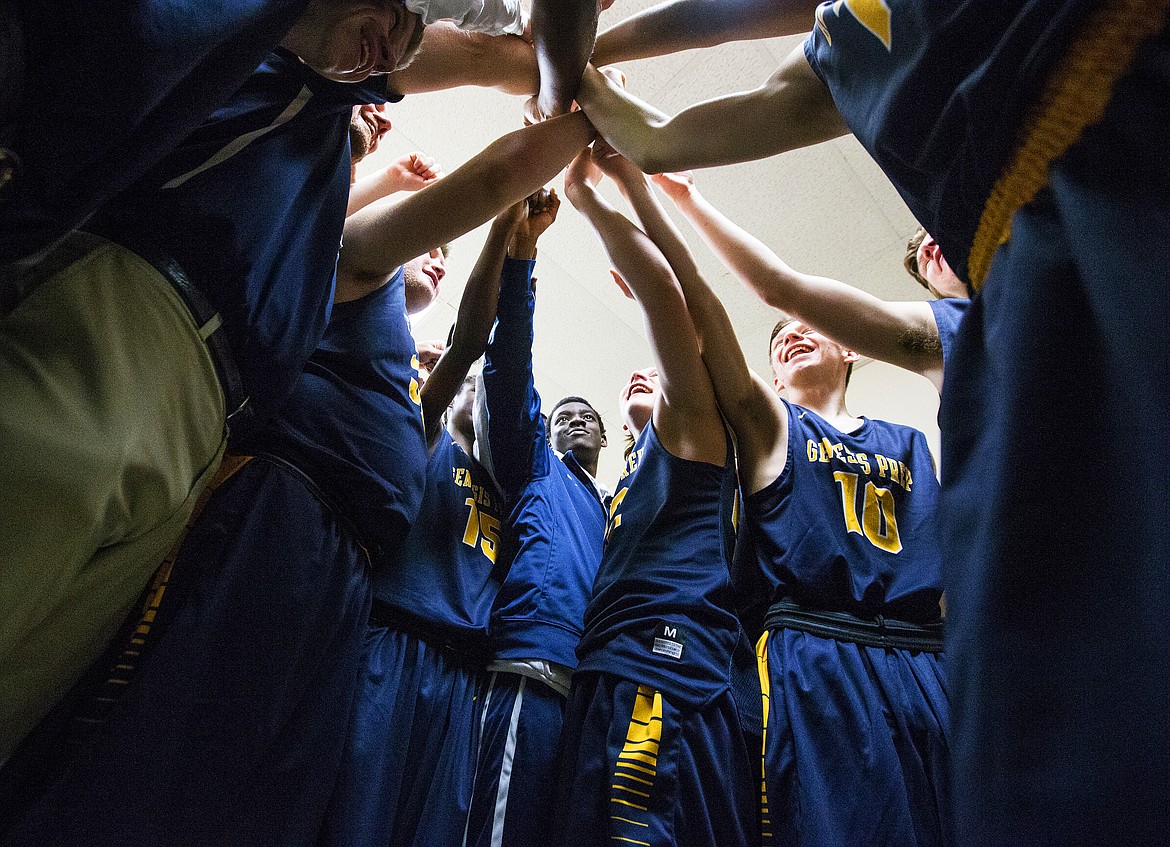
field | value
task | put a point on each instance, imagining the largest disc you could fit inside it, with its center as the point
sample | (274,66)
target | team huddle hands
(271,572)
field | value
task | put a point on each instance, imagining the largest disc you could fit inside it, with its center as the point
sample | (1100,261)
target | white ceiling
(826,210)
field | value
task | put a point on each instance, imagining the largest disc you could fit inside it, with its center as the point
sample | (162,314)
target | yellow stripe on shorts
(766,690)
(637,764)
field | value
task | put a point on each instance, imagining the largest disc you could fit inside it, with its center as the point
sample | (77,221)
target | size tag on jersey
(669,640)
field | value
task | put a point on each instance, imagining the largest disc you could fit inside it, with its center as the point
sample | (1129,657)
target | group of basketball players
(400,608)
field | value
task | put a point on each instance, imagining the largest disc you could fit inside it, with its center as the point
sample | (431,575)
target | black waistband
(18,280)
(842,626)
(468,650)
(210,323)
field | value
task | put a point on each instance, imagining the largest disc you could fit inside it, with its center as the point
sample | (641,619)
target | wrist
(390,182)
(522,248)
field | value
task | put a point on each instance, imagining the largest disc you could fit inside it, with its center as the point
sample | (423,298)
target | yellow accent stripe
(766,691)
(647,705)
(631,790)
(1074,98)
(639,757)
(630,840)
(634,778)
(631,765)
(627,820)
(628,803)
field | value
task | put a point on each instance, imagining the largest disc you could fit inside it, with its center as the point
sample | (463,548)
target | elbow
(648,150)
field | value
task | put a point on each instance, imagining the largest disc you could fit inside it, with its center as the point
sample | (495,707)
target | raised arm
(901,333)
(686,417)
(563,32)
(411,172)
(508,422)
(792,109)
(473,322)
(686,24)
(449,58)
(753,410)
(380,238)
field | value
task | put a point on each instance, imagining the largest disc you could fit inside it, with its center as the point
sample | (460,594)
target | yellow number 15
(483,529)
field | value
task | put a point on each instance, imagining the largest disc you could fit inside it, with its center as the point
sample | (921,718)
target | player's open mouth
(796,349)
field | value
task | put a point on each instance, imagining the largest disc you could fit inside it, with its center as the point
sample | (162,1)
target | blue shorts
(516,774)
(637,770)
(231,732)
(410,758)
(855,744)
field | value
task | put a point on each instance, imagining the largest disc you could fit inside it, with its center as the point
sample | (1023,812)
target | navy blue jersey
(252,206)
(663,612)
(849,525)
(146,74)
(443,578)
(908,77)
(556,525)
(354,422)
(1055,476)
(948,313)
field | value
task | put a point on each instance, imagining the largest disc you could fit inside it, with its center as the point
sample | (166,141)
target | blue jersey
(910,102)
(948,313)
(354,423)
(252,205)
(443,578)
(556,525)
(1055,477)
(663,610)
(157,69)
(849,525)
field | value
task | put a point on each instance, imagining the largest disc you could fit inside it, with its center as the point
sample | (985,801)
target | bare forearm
(718,346)
(792,109)
(378,239)
(686,24)
(746,256)
(898,333)
(450,58)
(563,32)
(369,190)
(473,324)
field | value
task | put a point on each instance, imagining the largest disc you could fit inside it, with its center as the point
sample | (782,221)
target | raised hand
(542,210)
(676,186)
(413,172)
(581,176)
(613,164)
(429,352)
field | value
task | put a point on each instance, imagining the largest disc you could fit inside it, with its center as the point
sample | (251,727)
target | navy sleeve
(948,314)
(515,430)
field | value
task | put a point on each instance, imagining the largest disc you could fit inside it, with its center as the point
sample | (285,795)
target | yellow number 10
(877,523)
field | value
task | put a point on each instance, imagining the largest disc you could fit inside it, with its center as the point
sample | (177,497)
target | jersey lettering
(887,467)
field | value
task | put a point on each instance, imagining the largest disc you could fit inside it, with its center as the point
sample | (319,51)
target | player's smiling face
(800,353)
(638,398)
(348,40)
